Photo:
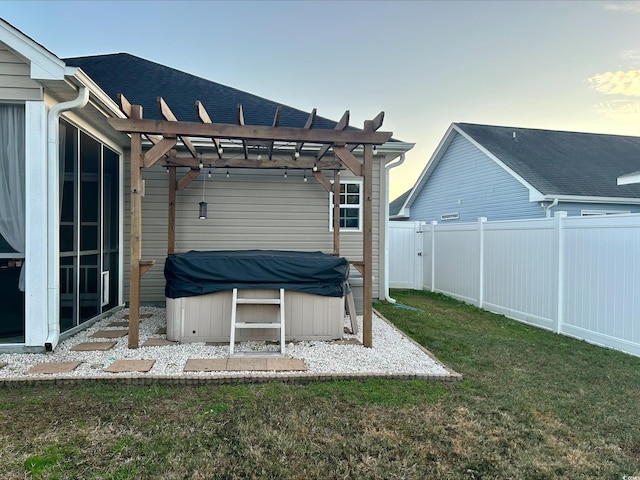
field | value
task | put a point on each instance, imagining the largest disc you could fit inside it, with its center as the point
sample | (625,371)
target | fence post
(558,216)
(481,222)
(433,255)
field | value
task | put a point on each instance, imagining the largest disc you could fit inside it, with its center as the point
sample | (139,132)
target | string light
(315,166)
(304,179)
(227,173)
(200,164)
(285,172)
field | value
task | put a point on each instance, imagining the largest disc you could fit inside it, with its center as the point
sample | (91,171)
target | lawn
(532,405)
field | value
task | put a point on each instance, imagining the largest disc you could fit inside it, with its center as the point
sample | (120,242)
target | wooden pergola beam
(168,115)
(159,150)
(241,123)
(347,158)
(125,107)
(247,132)
(301,164)
(205,118)
(189,177)
(276,120)
(341,125)
(311,119)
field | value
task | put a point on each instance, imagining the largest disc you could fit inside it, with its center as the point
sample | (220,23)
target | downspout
(53,214)
(388,167)
(547,208)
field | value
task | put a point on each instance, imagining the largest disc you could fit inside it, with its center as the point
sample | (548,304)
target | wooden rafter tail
(276,120)
(341,125)
(125,107)
(311,119)
(376,123)
(241,123)
(205,118)
(168,115)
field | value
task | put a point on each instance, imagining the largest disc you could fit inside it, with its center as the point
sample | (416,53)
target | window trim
(359,206)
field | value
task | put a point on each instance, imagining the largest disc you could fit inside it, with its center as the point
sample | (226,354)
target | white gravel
(392,354)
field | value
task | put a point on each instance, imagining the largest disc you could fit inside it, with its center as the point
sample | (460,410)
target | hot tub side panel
(207,318)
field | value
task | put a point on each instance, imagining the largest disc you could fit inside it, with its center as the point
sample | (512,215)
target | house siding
(248,210)
(468,182)
(15,81)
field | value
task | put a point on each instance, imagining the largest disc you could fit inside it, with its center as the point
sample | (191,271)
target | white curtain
(12,179)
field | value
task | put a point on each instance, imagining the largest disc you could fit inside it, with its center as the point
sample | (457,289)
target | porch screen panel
(90,239)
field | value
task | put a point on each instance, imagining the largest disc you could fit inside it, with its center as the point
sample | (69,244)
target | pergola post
(136,232)
(336,213)
(367,245)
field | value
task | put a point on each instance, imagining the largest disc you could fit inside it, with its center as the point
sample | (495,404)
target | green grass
(532,405)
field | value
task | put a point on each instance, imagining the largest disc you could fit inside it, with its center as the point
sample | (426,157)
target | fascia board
(103,101)
(534,194)
(44,64)
(583,199)
(629,178)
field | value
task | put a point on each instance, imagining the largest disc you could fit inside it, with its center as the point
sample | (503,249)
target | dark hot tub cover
(199,273)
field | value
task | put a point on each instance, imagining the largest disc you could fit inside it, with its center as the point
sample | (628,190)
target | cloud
(617,83)
(630,55)
(633,7)
(619,108)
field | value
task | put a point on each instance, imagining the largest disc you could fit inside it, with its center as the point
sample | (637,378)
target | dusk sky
(565,65)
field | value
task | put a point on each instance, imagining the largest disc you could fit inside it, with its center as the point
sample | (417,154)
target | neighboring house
(64,188)
(507,173)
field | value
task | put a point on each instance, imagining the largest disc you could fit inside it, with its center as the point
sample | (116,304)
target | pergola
(165,134)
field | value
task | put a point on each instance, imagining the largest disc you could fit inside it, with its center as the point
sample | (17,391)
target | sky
(561,65)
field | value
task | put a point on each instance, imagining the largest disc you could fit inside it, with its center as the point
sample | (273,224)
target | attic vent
(450,216)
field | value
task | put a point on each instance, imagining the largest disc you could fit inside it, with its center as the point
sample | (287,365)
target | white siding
(15,80)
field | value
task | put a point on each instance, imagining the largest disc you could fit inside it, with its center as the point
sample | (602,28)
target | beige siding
(249,210)
(15,80)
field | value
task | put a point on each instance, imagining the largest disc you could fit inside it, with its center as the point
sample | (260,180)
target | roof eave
(591,199)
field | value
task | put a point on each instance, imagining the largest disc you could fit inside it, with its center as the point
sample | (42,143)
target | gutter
(53,214)
(547,208)
(388,167)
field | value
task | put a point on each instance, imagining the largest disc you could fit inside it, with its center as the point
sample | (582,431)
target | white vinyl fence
(578,276)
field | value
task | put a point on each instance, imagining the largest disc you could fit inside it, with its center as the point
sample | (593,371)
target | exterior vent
(450,216)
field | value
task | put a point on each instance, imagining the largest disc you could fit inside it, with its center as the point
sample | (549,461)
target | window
(350,206)
(592,213)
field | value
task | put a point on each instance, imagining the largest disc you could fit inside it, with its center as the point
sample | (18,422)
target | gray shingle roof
(563,163)
(142,81)
(396,205)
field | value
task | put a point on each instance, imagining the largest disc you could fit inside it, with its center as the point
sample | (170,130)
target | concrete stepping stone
(205,365)
(120,366)
(244,364)
(118,324)
(51,368)
(110,334)
(158,342)
(93,346)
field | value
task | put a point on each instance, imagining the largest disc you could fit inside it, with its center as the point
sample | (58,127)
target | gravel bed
(392,354)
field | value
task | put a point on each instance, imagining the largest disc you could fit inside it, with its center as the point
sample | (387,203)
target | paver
(158,342)
(93,346)
(50,368)
(110,334)
(120,366)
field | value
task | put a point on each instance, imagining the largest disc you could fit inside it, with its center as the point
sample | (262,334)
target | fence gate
(405,255)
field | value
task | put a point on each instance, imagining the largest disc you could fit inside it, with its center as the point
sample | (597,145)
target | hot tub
(199,290)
